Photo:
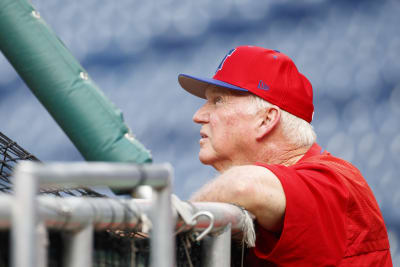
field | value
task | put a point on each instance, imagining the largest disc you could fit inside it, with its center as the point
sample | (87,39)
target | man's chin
(206,159)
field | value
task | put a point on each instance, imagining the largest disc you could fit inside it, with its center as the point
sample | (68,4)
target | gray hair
(297,130)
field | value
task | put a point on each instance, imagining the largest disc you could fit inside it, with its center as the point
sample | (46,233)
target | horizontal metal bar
(112,213)
(71,213)
(223,213)
(116,175)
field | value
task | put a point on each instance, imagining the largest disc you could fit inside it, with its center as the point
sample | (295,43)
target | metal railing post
(79,247)
(162,240)
(216,249)
(25,246)
(43,244)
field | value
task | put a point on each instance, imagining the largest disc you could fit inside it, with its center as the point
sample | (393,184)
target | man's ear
(267,121)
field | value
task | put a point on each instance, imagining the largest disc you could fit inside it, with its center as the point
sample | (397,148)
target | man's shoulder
(334,169)
(327,162)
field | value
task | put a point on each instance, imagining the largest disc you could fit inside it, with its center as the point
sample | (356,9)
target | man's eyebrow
(212,90)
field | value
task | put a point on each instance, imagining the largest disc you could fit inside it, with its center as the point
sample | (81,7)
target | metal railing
(30,215)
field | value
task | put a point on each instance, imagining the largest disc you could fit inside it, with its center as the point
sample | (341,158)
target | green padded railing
(93,124)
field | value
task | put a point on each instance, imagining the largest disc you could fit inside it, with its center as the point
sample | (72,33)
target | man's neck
(284,154)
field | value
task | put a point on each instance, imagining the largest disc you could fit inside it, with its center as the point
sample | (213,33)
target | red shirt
(331,218)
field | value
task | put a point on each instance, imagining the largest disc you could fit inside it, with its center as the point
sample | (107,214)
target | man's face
(227,128)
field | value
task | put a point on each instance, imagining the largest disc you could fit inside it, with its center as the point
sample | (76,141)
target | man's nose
(201,116)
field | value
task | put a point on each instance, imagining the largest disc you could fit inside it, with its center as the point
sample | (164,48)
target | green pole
(93,124)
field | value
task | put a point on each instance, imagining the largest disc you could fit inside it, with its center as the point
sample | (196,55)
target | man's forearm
(252,187)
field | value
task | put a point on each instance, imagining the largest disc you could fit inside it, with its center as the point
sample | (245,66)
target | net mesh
(11,153)
(122,248)
(112,251)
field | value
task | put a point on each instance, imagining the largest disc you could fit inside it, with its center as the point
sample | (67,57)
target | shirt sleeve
(315,218)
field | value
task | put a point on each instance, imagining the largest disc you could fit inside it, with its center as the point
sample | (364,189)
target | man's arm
(255,188)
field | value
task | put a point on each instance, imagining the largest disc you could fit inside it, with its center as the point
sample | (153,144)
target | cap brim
(197,86)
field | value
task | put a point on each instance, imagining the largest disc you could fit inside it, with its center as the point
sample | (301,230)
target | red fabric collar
(314,150)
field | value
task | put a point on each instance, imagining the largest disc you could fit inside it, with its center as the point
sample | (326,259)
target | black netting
(11,153)
(113,251)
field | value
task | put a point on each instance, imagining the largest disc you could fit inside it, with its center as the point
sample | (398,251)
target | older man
(311,208)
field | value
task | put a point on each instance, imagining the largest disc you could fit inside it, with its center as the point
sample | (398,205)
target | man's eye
(217,99)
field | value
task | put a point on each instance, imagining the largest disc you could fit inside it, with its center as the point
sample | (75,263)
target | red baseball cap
(266,73)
